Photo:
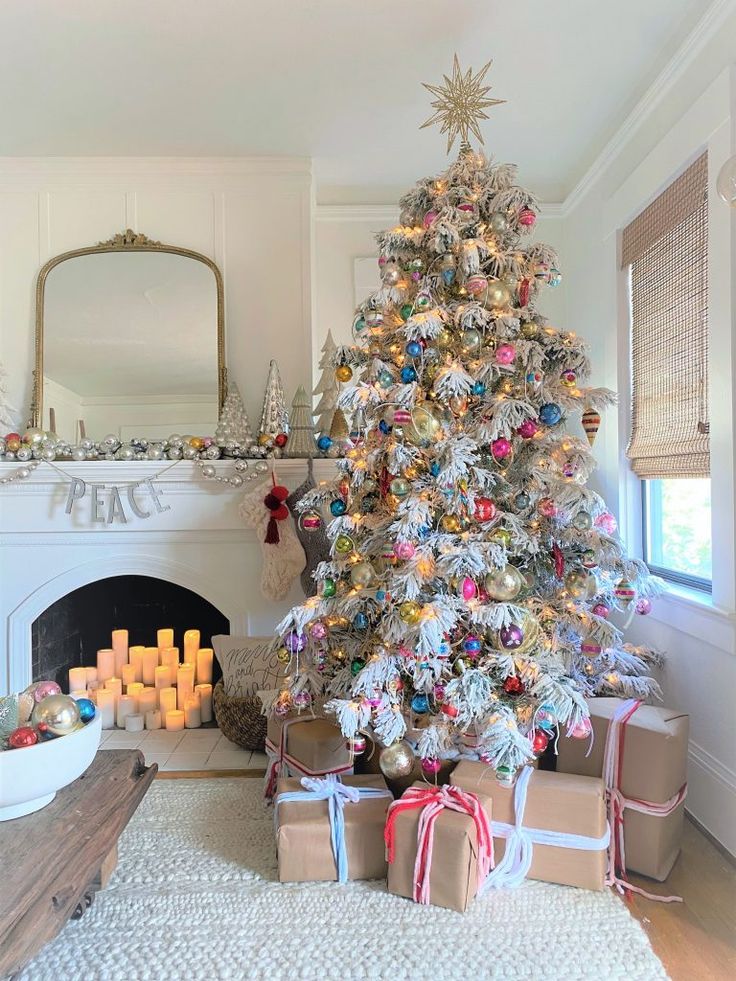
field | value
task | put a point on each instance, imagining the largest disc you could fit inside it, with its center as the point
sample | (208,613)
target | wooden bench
(53,861)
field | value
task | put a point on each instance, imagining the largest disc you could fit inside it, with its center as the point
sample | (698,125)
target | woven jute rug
(195,896)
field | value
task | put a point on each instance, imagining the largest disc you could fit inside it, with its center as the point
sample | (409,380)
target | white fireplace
(199,543)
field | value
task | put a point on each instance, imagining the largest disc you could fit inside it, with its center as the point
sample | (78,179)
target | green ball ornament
(59,713)
(329,588)
(400,487)
(344,544)
(406,311)
(501,536)
(356,667)
(423,301)
(504,584)
(582,521)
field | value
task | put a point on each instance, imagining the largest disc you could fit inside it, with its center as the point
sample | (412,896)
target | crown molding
(64,169)
(703,32)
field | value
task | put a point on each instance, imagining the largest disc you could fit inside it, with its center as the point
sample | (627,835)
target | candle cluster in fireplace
(149,687)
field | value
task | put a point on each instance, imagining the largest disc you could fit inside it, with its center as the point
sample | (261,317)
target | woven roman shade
(666,248)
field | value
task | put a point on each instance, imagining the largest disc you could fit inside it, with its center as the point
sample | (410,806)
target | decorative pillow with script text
(247,663)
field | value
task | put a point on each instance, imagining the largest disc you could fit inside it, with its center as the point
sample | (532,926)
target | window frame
(670,575)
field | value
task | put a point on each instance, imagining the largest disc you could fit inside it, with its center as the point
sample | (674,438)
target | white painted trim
(380,214)
(52,169)
(713,767)
(696,618)
(701,35)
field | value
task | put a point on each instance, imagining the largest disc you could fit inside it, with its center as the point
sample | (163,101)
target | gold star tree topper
(460,103)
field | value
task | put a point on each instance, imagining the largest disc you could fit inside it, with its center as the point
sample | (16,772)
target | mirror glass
(130,346)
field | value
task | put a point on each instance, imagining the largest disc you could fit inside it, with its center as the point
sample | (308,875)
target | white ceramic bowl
(30,777)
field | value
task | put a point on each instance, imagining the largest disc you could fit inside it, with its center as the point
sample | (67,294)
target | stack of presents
(614,804)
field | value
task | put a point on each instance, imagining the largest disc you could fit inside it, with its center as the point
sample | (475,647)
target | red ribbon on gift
(434,800)
(613,760)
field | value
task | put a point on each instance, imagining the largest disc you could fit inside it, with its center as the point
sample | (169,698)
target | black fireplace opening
(69,633)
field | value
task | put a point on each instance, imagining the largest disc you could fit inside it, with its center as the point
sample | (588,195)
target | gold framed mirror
(130,337)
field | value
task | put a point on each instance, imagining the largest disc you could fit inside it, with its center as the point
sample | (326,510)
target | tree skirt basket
(239,718)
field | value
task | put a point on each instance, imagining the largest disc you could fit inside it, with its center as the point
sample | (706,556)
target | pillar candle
(120,648)
(106,707)
(204,665)
(135,656)
(150,663)
(92,694)
(205,701)
(78,694)
(192,716)
(162,676)
(105,665)
(127,673)
(153,719)
(91,677)
(135,691)
(191,645)
(126,707)
(77,679)
(147,700)
(184,684)
(166,701)
(134,723)
(170,659)
(165,638)
(174,720)
(114,685)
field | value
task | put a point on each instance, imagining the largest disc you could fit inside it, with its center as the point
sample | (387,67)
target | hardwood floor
(695,939)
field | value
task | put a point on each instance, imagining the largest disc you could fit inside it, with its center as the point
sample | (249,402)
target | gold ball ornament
(362,574)
(343,372)
(397,760)
(283,655)
(60,713)
(504,584)
(498,294)
(450,523)
(444,339)
(197,442)
(410,612)
(424,425)
(344,544)
(580,584)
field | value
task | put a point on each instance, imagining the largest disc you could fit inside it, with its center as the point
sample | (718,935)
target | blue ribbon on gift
(337,794)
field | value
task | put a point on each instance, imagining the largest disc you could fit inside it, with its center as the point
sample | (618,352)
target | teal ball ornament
(86,709)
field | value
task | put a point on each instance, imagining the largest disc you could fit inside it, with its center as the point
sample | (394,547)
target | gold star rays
(460,103)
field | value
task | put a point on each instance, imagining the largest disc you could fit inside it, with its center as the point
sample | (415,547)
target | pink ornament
(375,700)
(302,699)
(547,507)
(405,652)
(430,766)
(401,417)
(466,207)
(643,607)
(528,429)
(43,689)
(476,284)
(527,217)
(382,260)
(208,441)
(416,276)
(601,610)
(581,730)
(318,630)
(500,448)
(505,354)
(404,550)
(429,219)
(607,523)
(281,709)
(439,692)
(482,595)
(469,589)
(590,649)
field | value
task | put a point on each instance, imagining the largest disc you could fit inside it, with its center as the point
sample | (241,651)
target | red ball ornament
(484,510)
(527,217)
(21,737)
(513,685)
(540,741)
(450,711)
(528,429)
(281,439)
(431,766)
(500,448)
(547,507)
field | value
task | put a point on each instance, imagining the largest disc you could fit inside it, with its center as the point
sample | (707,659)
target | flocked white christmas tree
(473,574)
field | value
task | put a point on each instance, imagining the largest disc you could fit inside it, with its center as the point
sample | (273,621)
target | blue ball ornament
(338,507)
(384,427)
(472,645)
(420,703)
(435,469)
(86,709)
(380,595)
(408,375)
(360,621)
(414,349)
(324,443)
(479,388)
(444,649)
(550,413)
(385,379)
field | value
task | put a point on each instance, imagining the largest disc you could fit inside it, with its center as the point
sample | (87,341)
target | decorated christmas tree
(466,609)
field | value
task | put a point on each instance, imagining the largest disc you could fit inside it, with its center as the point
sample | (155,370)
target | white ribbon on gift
(520,841)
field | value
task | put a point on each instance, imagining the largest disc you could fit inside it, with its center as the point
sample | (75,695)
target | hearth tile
(159,758)
(186,761)
(199,740)
(225,744)
(159,740)
(122,740)
(229,760)
(258,761)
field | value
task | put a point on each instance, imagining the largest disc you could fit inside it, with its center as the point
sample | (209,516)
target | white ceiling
(131,323)
(335,80)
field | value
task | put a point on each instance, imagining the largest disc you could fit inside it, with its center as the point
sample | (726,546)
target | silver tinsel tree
(274,416)
(301,432)
(233,429)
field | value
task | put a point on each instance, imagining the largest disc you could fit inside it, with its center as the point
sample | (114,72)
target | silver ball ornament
(212,452)
(24,453)
(48,454)
(261,467)
(111,443)
(241,465)
(33,436)
(87,443)
(236,480)
(126,452)
(361,574)
(498,222)
(79,453)
(59,712)
(155,452)
(582,521)
(209,471)
(174,453)
(504,584)
(397,760)
(188,452)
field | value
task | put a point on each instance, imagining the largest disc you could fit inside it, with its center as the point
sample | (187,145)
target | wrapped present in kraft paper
(304,745)
(331,828)
(646,778)
(546,826)
(439,845)
(369,762)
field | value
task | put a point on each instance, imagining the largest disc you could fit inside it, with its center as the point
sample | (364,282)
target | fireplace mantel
(199,543)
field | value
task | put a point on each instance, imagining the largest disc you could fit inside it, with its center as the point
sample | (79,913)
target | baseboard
(711,800)
(720,848)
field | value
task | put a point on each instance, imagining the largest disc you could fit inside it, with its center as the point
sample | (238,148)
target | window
(665,250)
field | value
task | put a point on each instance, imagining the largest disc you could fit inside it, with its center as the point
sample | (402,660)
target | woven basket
(239,718)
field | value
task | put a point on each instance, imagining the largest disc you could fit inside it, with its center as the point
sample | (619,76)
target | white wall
(253,217)
(697,636)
